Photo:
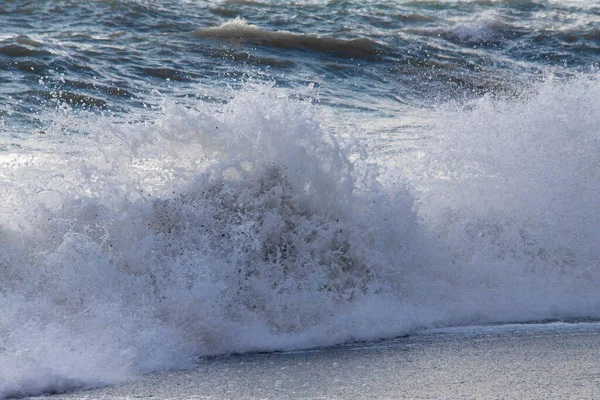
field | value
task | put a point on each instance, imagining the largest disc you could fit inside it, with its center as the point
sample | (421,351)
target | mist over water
(261,181)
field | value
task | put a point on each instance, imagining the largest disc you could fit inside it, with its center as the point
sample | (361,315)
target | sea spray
(510,188)
(246,227)
(138,247)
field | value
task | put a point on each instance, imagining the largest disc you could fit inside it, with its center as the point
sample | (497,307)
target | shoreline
(520,361)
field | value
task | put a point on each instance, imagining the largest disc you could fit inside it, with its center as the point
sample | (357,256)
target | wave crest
(238,30)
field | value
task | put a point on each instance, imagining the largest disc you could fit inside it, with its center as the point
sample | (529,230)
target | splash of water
(137,247)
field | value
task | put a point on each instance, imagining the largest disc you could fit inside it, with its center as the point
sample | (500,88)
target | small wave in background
(239,30)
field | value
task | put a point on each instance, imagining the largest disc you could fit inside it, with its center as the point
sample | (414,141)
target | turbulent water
(185,178)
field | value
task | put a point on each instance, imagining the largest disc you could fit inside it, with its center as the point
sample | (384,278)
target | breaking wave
(249,226)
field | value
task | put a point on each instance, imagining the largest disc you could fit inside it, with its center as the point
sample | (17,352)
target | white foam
(217,229)
(510,189)
(138,247)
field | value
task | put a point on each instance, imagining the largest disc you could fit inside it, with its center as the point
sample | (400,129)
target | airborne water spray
(141,246)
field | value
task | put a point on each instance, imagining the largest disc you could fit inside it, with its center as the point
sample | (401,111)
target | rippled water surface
(114,55)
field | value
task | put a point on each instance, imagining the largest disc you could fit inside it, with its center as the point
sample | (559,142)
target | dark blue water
(189,178)
(113,55)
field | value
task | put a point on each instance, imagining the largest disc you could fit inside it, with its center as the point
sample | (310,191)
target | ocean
(183,179)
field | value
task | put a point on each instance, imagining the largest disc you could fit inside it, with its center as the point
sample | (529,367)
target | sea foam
(137,247)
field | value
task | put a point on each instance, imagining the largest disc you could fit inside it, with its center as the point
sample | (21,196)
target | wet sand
(551,361)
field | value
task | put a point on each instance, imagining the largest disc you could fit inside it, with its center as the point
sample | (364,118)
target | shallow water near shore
(553,360)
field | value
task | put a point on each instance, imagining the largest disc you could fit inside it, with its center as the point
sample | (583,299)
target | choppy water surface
(113,55)
(185,178)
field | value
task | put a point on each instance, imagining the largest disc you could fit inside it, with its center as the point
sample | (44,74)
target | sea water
(189,178)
